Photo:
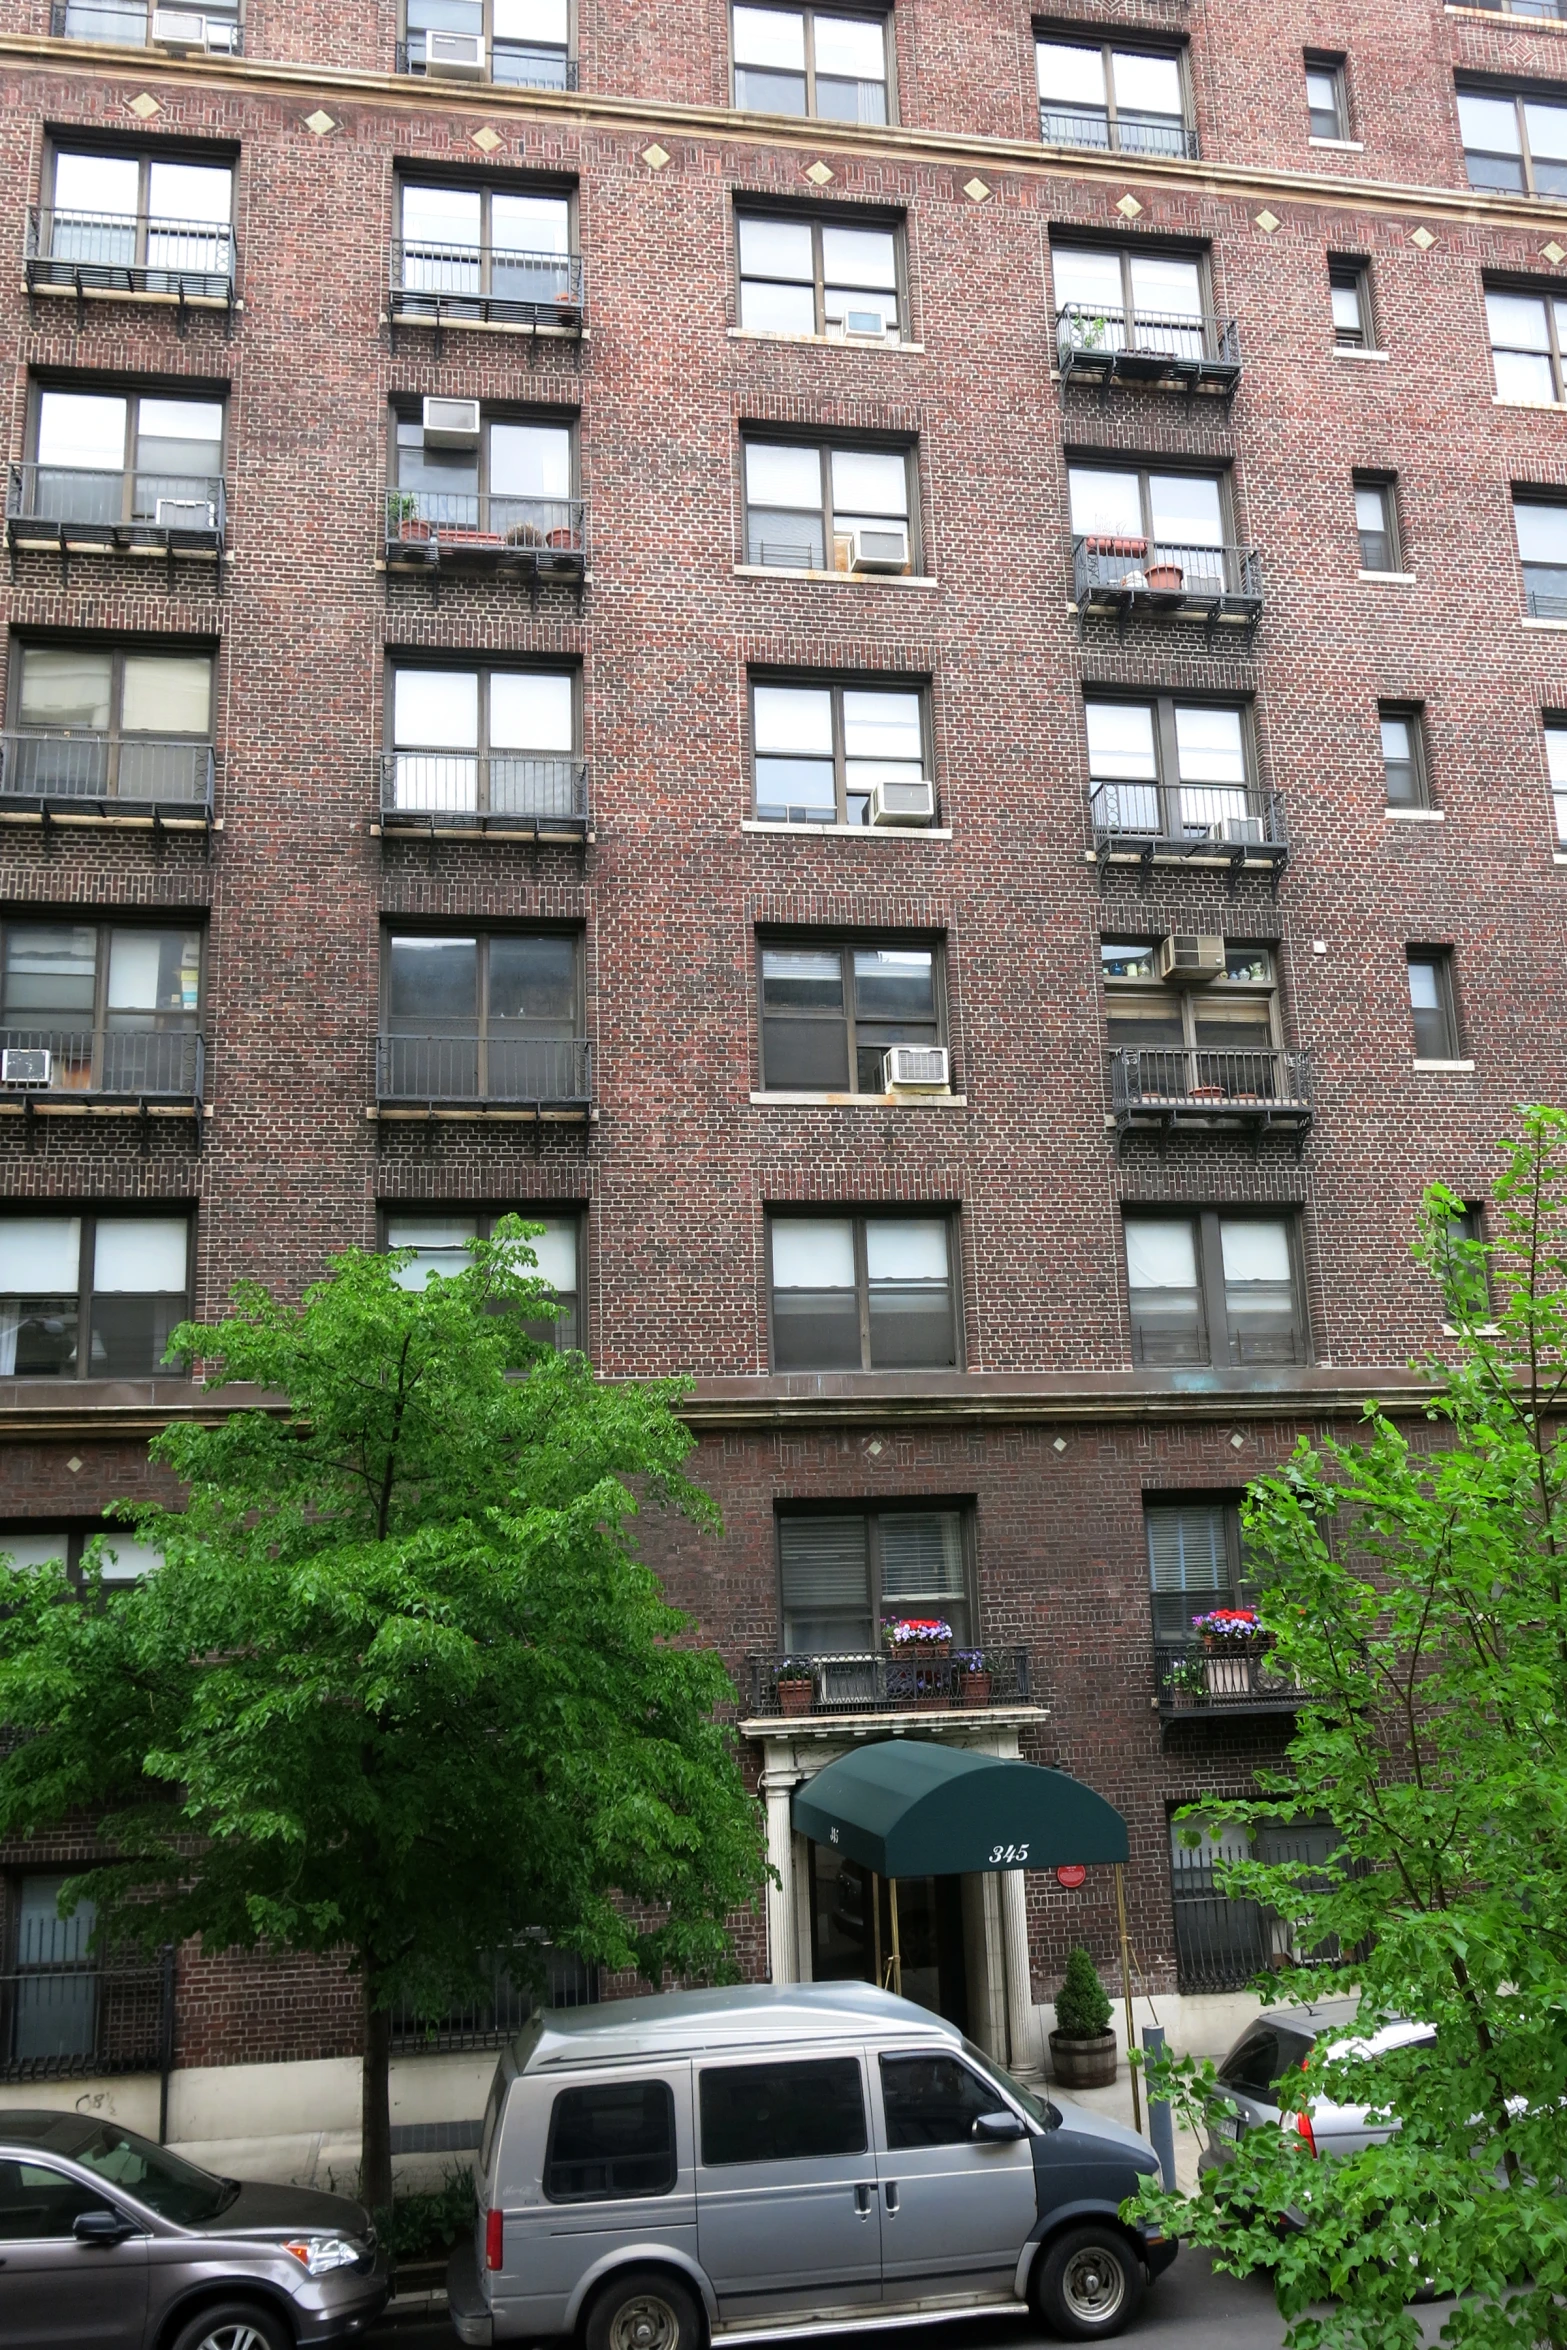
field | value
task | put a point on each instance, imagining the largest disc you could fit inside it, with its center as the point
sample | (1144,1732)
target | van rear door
(786,2185)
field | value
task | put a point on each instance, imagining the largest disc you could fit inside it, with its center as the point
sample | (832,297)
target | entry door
(956,2211)
(786,2193)
(55,2293)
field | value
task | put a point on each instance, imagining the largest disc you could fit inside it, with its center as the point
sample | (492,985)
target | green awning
(906,1807)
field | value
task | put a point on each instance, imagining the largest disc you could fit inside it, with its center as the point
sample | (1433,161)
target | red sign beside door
(1072,1875)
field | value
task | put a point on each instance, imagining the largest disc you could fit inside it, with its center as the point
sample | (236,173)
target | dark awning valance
(906,1807)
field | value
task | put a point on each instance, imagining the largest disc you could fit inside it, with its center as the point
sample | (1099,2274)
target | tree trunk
(375,2161)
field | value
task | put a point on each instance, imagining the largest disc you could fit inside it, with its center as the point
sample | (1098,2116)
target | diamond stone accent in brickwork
(144,107)
(818,174)
(1129,207)
(1552,252)
(975,190)
(1424,239)
(1267,222)
(320,122)
(487,140)
(655,157)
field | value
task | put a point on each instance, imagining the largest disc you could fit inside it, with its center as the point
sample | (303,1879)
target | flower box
(794,1697)
(1109,544)
(974,1688)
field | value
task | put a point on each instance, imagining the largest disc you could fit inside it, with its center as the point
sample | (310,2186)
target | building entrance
(854,1937)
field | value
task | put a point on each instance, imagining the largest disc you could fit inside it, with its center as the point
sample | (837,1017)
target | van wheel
(645,2309)
(234,2325)
(1089,2284)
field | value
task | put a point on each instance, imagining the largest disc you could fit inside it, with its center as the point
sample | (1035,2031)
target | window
(516,485)
(1214,1288)
(1177,515)
(1431,1004)
(614,2140)
(862,1293)
(131,724)
(1513,141)
(1464,1270)
(1236,1012)
(1349,291)
(168,223)
(1327,100)
(527,42)
(1528,334)
(800,502)
(114,457)
(830,1012)
(782,2112)
(27,1544)
(844,1574)
(496,742)
(819,748)
(1403,754)
(116,1006)
(495,245)
(1104,95)
(1376,525)
(932,2101)
(1133,301)
(1171,769)
(490,1016)
(1196,1562)
(1541,525)
(441,1244)
(120,1283)
(811,61)
(125,21)
(819,277)
(1556,770)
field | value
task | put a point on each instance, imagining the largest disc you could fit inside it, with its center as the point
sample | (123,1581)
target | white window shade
(813,1253)
(1070,76)
(1088,278)
(141,1256)
(1542,532)
(555,1252)
(438,707)
(1547,129)
(1120,741)
(1556,755)
(530,224)
(530,460)
(867,481)
(189,191)
(859,257)
(906,1249)
(167,694)
(794,718)
(64,686)
(1490,124)
(441,216)
(181,420)
(1146,85)
(105,184)
(1255,1251)
(441,1242)
(125,1560)
(775,248)
(543,21)
(1161,1254)
(1105,502)
(40,1256)
(851,46)
(1210,746)
(770,36)
(883,726)
(1186,509)
(1166,289)
(531,710)
(779,476)
(84,429)
(921,1555)
(27,1551)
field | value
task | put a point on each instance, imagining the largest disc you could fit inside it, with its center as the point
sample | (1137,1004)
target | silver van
(742,2165)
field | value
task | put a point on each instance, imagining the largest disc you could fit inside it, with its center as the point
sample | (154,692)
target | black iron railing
(107,773)
(504,789)
(1190,1679)
(1271,1087)
(79,505)
(1221,1945)
(1120,346)
(520,65)
(62,2021)
(1123,575)
(498,2014)
(543,537)
(127,22)
(872,1682)
(142,1064)
(1188,820)
(476,1072)
(118,253)
(486,282)
(1129,134)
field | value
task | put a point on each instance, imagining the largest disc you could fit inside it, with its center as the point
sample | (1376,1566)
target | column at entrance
(778,1786)
(1020,1985)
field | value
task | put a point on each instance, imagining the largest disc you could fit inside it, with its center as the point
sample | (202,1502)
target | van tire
(644,2309)
(1088,2284)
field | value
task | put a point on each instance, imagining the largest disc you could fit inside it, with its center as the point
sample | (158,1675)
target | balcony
(63,2022)
(1132,134)
(515,65)
(1220,824)
(1172,1087)
(75,510)
(874,1683)
(537,539)
(1163,354)
(118,256)
(106,778)
(1190,1680)
(80,1073)
(536,1078)
(464,792)
(183,31)
(1127,578)
(485,285)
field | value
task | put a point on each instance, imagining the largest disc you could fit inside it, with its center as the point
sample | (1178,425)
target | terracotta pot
(1166,579)
(1084,2064)
(974,1688)
(559,539)
(410,529)
(794,1697)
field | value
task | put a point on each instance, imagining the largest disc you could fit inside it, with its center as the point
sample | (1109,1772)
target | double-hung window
(1513,141)
(491,742)
(1541,526)
(92,723)
(845,1573)
(1327,98)
(1402,729)
(126,22)
(819,749)
(107,1007)
(1349,293)
(812,61)
(1144,516)
(482,246)
(525,43)
(440,1242)
(490,1016)
(814,276)
(1556,773)
(1196,1562)
(1106,94)
(517,485)
(1376,524)
(1214,1287)
(126,457)
(1528,340)
(1433,1009)
(830,1012)
(862,1293)
(141,223)
(828,508)
(1130,301)
(93,1296)
(1217,1043)
(1171,769)
(26,1544)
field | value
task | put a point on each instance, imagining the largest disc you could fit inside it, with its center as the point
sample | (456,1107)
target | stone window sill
(1388,578)
(1531,622)
(871,579)
(1419,1064)
(1359,351)
(1538,407)
(1415,815)
(853,831)
(753,334)
(859,1101)
(1340,146)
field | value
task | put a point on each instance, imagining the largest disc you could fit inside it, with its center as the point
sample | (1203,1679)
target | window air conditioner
(184,32)
(867,325)
(451,424)
(32,1067)
(916,1068)
(1189,960)
(903,800)
(459,55)
(884,548)
(185,514)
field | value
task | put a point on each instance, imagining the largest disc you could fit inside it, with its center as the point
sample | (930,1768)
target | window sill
(1388,578)
(1359,351)
(854,831)
(1415,815)
(1340,146)
(1539,407)
(756,334)
(1480,1330)
(1559,856)
(872,579)
(1530,622)
(1460,1065)
(859,1101)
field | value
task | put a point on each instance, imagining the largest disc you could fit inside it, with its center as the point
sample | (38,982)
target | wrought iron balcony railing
(1129,134)
(166,1065)
(107,253)
(107,774)
(538,1073)
(518,65)
(1155,579)
(85,2017)
(873,1682)
(1136,347)
(1172,1087)
(439,283)
(132,25)
(539,538)
(1240,824)
(65,506)
(500,791)
(1191,1679)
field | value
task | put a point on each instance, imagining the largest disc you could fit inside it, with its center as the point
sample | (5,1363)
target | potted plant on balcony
(1186,1680)
(1082,2046)
(793,1677)
(1232,1637)
(973,1677)
(917,1640)
(402,510)
(1165,579)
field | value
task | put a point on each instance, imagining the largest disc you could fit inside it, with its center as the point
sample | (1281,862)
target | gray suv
(109,2240)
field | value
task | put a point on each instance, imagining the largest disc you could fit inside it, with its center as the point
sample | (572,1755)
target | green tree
(1413,1585)
(400,1689)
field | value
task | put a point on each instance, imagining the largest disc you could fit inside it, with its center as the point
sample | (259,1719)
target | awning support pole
(1126,1990)
(897,1954)
(876,1931)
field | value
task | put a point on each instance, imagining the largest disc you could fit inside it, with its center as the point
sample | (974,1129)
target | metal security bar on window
(1125,574)
(431,280)
(103,771)
(493,2018)
(1068,126)
(78,506)
(133,1065)
(499,788)
(1188,819)
(869,1681)
(1120,346)
(536,1071)
(67,2020)
(113,252)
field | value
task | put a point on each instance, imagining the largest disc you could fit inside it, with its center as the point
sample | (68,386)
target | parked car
(1278,2044)
(728,2165)
(110,2241)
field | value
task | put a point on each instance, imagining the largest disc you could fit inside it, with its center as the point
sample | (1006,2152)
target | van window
(782,2112)
(932,2100)
(611,2141)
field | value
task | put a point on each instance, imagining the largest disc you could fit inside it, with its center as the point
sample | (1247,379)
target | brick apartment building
(903,665)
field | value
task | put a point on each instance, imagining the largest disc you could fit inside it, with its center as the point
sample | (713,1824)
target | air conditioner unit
(916,1068)
(903,800)
(882,548)
(31,1067)
(1187,959)
(451,424)
(457,55)
(868,326)
(181,30)
(185,514)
